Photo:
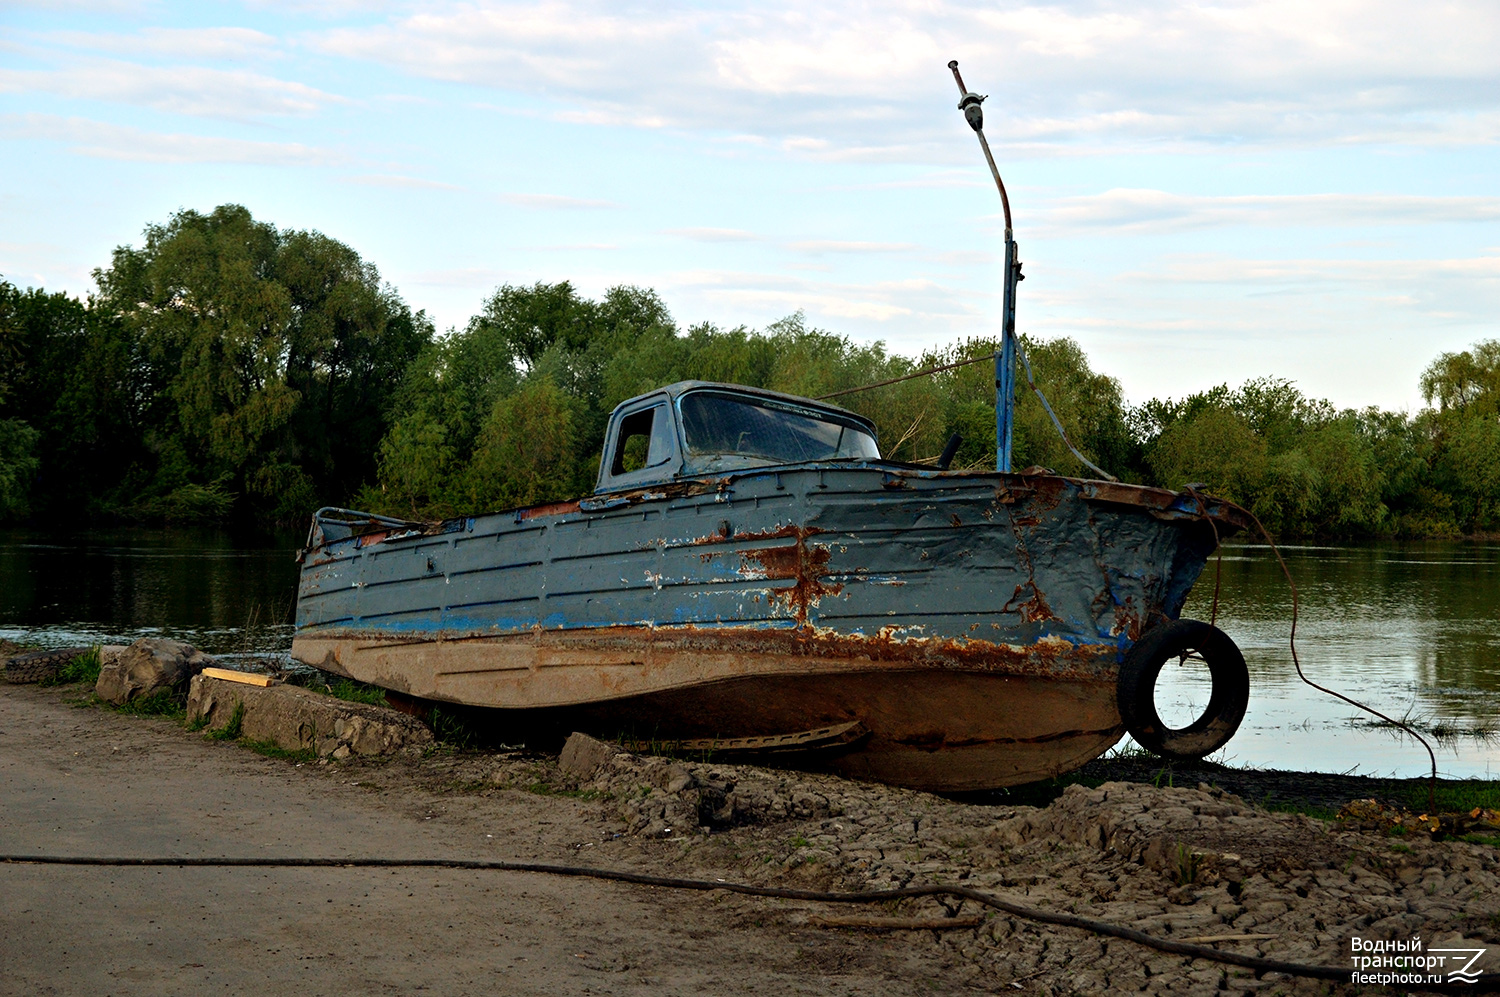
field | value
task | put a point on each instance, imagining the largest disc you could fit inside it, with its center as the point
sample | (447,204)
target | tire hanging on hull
(1136,692)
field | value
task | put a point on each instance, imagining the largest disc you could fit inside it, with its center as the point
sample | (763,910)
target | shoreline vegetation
(230,371)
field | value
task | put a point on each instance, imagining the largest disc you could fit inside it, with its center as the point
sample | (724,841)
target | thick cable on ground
(1255,963)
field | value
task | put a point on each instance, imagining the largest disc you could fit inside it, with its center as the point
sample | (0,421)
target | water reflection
(230,595)
(1410,628)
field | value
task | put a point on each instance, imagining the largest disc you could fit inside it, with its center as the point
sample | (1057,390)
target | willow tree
(265,362)
(1465,434)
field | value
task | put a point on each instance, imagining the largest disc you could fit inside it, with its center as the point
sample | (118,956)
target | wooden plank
(244,678)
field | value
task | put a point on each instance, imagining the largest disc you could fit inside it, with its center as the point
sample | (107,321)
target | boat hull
(972,623)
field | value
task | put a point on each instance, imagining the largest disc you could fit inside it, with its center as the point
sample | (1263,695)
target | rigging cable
(1030,380)
(905,377)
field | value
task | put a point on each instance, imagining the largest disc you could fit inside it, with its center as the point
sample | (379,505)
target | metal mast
(1005,360)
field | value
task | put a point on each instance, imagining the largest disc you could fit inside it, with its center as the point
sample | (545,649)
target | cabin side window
(645,440)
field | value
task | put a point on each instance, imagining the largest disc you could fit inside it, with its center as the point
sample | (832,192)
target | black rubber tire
(1136,691)
(39,666)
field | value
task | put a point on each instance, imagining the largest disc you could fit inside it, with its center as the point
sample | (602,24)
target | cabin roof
(682,387)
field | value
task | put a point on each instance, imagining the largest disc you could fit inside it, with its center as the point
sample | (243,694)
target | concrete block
(298,719)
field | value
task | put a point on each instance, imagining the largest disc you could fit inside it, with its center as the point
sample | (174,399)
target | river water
(1409,628)
(229,595)
(1412,629)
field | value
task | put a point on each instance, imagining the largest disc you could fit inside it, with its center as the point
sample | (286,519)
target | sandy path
(86,781)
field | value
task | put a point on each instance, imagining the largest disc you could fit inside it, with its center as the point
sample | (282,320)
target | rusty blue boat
(750,568)
(751,574)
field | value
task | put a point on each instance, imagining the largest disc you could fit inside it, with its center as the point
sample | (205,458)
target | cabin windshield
(773,431)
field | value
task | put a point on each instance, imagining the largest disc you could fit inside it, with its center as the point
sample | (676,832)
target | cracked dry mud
(1181,863)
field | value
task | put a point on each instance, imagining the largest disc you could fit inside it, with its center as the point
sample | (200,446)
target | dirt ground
(1182,863)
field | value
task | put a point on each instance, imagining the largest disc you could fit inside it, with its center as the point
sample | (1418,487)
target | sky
(1202,193)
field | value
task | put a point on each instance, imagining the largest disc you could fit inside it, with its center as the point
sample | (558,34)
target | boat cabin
(695,429)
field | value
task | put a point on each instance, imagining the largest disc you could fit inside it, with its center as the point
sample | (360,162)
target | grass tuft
(271,749)
(162,703)
(232,730)
(451,730)
(1188,863)
(356,692)
(547,789)
(84,668)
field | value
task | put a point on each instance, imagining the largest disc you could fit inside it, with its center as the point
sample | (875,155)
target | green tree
(65,375)
(1090,406)
(526,450)
(18,465)
(1214,447)
(265,360)
(1348,478)
(1466,382)
(1467,470)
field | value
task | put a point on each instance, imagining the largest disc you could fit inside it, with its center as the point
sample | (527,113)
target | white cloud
(713,234)
(870,80)
(772,295)
(1214,269)
(820,246)
(108,141)
(937,180)
(399,181)
(194,90)
(465,277)
(187,43)
(555,202)
(1131,211)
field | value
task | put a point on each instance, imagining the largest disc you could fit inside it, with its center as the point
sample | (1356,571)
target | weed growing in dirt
(451,730)
(162,703)
(1460,796)
(1445,731)
(356,692)
(1127,749)
(84,668)
(273,750)
(232,730)
(1033,794)
(1187,864)
(1307,809)
(547,789)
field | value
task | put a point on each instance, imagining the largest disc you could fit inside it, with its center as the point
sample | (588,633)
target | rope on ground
(1191,950)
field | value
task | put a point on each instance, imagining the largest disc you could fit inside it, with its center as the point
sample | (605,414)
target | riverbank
(1178,862)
